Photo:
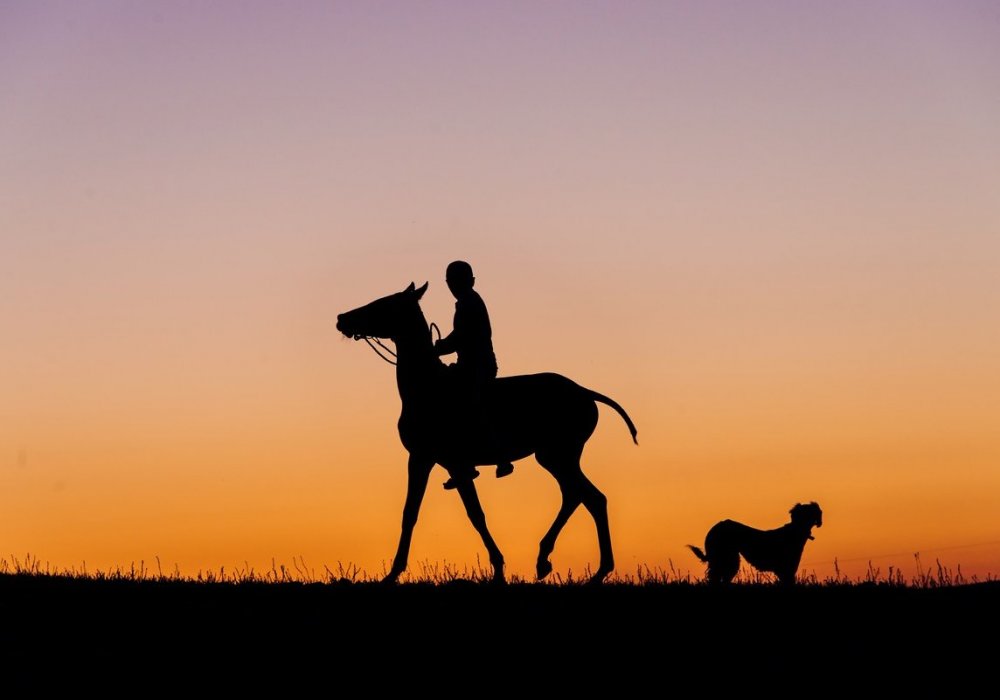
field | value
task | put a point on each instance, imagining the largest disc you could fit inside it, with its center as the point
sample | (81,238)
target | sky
(769,230)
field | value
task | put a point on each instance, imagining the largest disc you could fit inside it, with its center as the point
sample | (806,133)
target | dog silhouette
(777,551)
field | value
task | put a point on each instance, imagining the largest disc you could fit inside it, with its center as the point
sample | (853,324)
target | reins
(379,344)
(369,338)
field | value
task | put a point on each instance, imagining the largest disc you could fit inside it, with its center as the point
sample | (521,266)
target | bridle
(375,347)
(375,343)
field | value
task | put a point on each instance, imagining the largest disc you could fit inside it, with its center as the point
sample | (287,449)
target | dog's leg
(723,566)
(722,549)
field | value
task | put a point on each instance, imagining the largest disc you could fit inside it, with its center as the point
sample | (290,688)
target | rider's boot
(460,475)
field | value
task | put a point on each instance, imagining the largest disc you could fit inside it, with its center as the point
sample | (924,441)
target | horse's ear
(420,292)
(410,288)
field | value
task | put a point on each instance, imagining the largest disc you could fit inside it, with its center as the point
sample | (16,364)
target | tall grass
(445,573)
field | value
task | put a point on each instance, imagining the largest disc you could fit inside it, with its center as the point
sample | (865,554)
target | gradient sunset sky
(771,231)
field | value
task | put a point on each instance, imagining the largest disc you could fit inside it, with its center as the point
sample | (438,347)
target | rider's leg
(462,415)
(504,468)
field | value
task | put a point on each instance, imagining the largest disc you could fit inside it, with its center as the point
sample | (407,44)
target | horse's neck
(416,362)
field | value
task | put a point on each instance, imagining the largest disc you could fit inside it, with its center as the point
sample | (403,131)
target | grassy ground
(638,632)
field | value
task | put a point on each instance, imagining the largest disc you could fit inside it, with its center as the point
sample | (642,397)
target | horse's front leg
(419,469)
(467,490)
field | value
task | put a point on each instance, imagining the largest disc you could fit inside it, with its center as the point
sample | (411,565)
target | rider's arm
(451,342)
(446,346)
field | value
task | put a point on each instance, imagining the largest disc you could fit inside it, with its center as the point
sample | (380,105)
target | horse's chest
(416,430)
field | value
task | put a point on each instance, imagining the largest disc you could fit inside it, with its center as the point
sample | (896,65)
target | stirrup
(504,469)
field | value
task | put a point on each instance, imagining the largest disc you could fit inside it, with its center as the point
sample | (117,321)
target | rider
(471,338)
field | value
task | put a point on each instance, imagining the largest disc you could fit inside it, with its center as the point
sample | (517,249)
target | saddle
(466,406)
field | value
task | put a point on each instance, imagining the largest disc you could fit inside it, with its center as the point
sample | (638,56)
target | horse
(544,414)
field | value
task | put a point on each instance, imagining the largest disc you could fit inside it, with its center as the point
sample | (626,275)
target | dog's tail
(698,553)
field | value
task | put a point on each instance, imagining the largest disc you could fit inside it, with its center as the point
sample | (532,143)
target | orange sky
(771,234)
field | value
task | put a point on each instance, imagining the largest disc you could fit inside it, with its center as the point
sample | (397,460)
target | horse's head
(382,318)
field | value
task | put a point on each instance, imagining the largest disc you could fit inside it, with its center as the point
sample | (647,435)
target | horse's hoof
(598,578)
(498,579)
(542,569)
(390,578)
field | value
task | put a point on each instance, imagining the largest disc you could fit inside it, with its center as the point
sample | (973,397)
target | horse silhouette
(545,414)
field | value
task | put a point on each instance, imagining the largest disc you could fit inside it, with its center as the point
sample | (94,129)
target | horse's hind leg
(597,503)
(474,509)
(570,501)
(576,489)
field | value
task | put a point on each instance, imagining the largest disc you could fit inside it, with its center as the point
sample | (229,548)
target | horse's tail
(698,553)
(621,411)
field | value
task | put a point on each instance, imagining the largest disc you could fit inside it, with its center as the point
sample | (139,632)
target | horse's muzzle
(342,326)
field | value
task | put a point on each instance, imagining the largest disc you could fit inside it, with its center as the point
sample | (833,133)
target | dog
(778,551)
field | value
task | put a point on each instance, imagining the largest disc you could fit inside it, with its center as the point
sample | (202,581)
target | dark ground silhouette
(524,638)
(546,415)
